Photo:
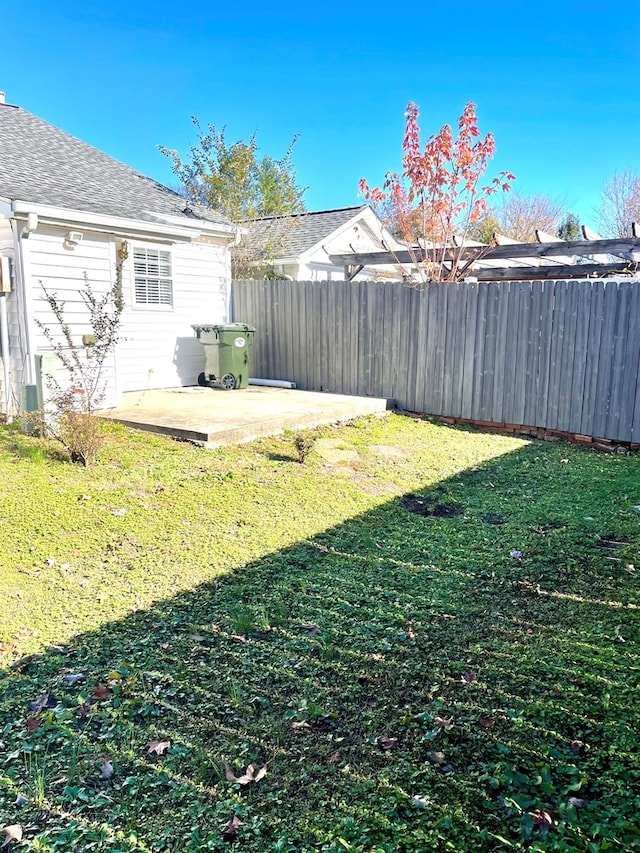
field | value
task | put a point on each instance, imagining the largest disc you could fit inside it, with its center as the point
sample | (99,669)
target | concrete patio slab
(213,417)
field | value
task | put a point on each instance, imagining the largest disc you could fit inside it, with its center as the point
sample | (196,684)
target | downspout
(24,290)
(4,342)
(237,237)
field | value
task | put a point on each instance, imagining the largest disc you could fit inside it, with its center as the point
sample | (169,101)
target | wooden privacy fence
(554,355)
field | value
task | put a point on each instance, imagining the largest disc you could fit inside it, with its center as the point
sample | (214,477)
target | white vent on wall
(72,238)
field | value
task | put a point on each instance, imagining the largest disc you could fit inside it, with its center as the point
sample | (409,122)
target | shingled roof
(41,164)
(299,232)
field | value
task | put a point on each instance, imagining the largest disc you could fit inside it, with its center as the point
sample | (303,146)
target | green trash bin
(226,354)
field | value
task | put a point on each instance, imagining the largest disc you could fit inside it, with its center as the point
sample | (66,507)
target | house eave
(122,226)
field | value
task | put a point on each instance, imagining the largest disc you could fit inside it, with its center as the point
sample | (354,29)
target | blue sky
(555,83)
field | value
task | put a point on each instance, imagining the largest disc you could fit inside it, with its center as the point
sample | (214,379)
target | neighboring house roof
(296,234)
(43,165)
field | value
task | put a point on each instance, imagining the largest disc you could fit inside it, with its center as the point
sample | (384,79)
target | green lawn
(427,636)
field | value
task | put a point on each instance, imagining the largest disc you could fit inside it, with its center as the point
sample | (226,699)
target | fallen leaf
(577,803)
(106,768)
(102,691)
(300,725)
(248,776)
(436,757)
(38,704)
(158,747)
(335,756)
(388,742)
(239,637)
(311,627)
(12,833)
(73,678)
(446,724)
(517,555)
(543,819)
(486,721)
(32,724)
(229,775)
(421,802)
(557,691)
(230,829)
(82,710)
(469,677)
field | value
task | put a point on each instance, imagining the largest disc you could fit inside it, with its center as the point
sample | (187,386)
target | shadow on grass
(410,683)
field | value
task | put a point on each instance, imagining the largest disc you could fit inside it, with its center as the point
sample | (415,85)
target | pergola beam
(622,246)
(574,271)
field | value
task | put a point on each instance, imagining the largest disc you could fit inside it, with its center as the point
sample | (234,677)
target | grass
(430,644)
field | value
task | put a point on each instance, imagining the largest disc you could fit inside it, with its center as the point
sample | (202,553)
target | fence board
(565,401)
(550,354)
(620,339)
(631,368)
(584,297)
(501,352)
(605,359)
(466,401)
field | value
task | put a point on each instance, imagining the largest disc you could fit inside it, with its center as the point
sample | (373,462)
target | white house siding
(9,403)
(159,348)
(61,272)
(6,251)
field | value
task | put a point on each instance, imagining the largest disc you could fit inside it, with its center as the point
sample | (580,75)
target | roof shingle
(42,164)
(299,232)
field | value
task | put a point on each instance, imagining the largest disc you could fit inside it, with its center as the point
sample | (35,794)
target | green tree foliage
(570,228)
(234,179)
(484,229)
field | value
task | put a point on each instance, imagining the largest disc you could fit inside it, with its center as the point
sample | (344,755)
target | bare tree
(520,215)
(620,204)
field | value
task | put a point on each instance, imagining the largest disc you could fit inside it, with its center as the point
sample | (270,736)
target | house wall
(16,355)
(50,267)
(313,271)
(157,348)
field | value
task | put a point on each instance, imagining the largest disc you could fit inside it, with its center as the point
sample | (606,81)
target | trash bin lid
(222,327)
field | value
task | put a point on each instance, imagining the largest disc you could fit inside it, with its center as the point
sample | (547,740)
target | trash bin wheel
(202,380)
(228,382)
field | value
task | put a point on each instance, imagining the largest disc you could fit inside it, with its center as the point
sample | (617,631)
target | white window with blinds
(153,285)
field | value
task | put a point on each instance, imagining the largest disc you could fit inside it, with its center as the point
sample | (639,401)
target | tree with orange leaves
(437,197)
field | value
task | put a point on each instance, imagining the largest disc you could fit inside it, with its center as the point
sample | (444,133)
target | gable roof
(297,233)
(41,164)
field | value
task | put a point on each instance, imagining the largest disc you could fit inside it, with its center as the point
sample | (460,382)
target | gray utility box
(226,354)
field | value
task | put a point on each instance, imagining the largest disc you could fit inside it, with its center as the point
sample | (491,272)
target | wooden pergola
(549,257)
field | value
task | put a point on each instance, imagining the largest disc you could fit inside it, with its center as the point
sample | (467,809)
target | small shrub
(304,444)
(69,414)
(83,436)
